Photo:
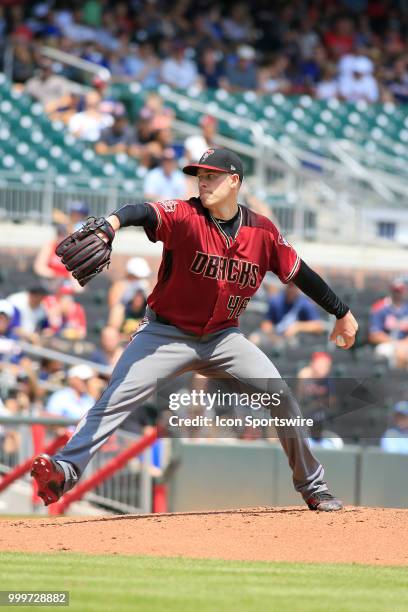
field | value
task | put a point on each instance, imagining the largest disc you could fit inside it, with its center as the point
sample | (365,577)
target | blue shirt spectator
(9,350)
(390,318)
(388,328)
(395,439)
(288,307)
(73,401)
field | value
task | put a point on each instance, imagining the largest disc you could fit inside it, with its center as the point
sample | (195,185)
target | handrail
(385,184)
(260,138)
(72,60)
(40,351)
(25,419)
(357,170)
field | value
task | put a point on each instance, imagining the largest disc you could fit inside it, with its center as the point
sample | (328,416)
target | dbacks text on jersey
(243,273)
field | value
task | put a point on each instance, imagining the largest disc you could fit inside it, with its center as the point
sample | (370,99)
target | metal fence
(128,490)
(34,196)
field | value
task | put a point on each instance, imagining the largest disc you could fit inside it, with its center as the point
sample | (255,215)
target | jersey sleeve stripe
(157,211)
(293,271)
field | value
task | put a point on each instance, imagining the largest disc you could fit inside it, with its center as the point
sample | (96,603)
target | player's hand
(344,331)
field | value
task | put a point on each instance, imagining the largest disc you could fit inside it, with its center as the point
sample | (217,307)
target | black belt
(160,319)
(165,321)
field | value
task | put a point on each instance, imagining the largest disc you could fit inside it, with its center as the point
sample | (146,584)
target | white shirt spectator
(325,90)
(164,186)
(350,63)
(30,318)
(358,87)
(195,146)
(179,73)
(356,81)
(87,127)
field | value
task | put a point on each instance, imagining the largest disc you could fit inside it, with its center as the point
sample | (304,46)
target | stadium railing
(113,479)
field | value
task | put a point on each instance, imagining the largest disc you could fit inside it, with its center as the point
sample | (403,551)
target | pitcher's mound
(359,535)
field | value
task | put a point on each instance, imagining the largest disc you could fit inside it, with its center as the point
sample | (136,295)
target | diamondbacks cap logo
(206,154)
(168,205)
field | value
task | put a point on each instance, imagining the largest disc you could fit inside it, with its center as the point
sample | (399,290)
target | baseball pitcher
(216,253)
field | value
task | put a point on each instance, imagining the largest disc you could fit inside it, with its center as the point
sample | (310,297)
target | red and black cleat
(325,502)
(49,477)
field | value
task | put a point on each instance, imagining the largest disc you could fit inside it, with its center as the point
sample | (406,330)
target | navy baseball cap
(78,207)
(219,159)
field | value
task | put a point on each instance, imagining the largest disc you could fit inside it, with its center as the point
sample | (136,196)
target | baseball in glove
(85,252)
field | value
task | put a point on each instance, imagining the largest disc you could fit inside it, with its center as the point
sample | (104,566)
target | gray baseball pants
(160,351)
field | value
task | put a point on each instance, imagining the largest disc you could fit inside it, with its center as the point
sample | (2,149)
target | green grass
(150,584)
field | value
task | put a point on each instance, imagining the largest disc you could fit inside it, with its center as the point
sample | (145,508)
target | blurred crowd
(347,49)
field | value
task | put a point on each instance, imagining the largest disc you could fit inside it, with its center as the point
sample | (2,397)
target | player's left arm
(312,285)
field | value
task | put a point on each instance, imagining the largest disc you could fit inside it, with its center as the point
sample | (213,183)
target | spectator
(74,400)
(47,265)
(316,391)
(142,65)
(273,77)
(160,115)
(196,145)
(290,313)
(238,26)
(395,439)
(92,13)
(388,328)
(74,28)
(78,212)
(178,71)
(67,318)
(312,68)
(88,124)
(166,182)
(327,87)
(137,274)
(23,63)
(92,52)
(126,317)
(398,81)
(210,68)
(46,86)
(62,109)
(315,385)
(340,39)
(242,74)
(9,349)
(30,317)
(117,138)
(356,80)
(109,349)
(51,372)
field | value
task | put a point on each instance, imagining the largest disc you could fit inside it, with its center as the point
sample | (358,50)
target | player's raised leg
(157,351)
(240,358)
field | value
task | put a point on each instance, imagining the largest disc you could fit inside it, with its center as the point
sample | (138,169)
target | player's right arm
(142,215)
(133,214)
(161,220)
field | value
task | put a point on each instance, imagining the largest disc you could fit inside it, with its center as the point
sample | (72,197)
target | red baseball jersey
(206,278)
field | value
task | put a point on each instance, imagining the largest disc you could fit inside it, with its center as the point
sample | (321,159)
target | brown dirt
(354,535)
